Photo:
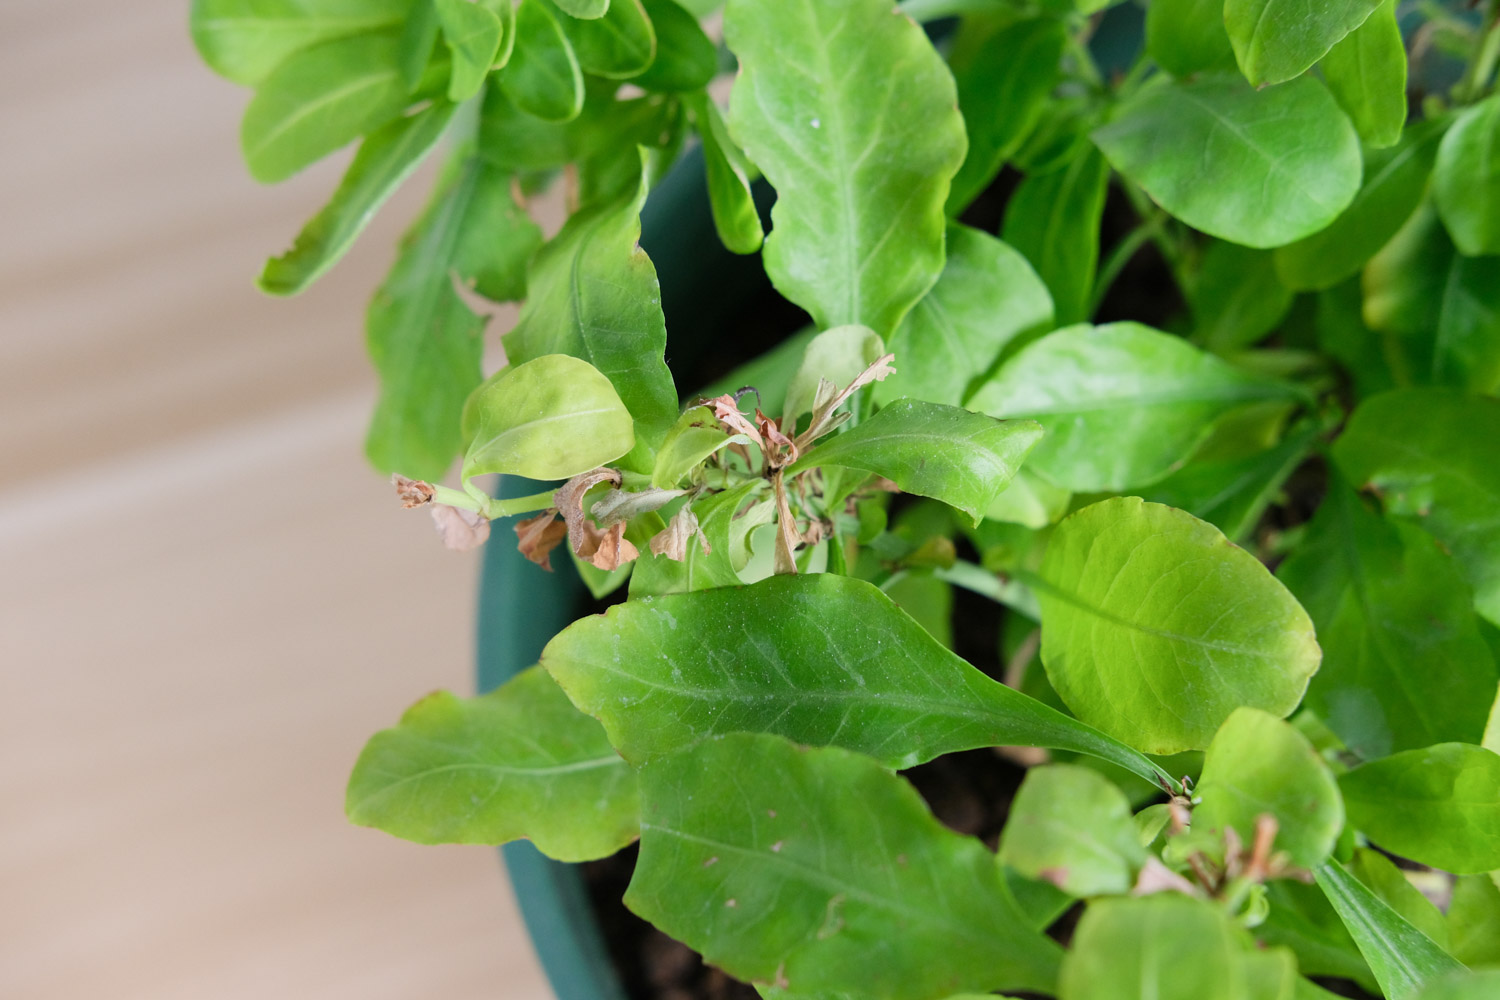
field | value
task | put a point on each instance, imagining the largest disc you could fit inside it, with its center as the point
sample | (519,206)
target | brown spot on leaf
(536,537)
(673,540)
(461,530)
(606,549)
(412,492)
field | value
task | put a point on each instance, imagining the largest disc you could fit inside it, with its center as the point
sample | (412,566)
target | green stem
(1121,255)
(1482,66)
(489,507)
(1146,209)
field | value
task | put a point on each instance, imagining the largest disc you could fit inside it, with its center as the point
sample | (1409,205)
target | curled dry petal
(673,540)
(728,412)
(785,449)
(608,549)
(412,492)
(536,537)
(569,502)
(460,529)
(825,404)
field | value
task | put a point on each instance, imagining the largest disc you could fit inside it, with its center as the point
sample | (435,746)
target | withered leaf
(461,530)
(569,502)
(536,537)
(728,412)
(619,505)
(673,541)
(412,492)
(608,549)
(823,419)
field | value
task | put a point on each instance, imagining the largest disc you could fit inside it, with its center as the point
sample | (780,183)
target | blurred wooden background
(207,600)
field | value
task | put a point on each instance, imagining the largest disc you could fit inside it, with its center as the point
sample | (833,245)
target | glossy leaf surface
(1258,764)
(963,459)
(244,40)
(1188,36)
(1256,167)
(816,668)
(1053,220)
(729,197)
(853,117)
(1439,805)
(543,77)
(1430,455)
(788,871)
(1275,40)
(1366,72)
(1403,663)
(1122,404)
(383,162)
(518,762)
(552,417)
(1155,628)
(1466,180)
(1071,826)
(986,296)
(617,45)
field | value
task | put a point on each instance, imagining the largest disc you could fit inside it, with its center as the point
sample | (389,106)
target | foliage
(1242,315)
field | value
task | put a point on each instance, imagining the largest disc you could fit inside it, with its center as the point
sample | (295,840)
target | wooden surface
(207,601)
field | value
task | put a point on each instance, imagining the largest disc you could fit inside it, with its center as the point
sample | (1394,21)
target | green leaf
(963,459)
(497,239)
(803,657)
(320,98)
(587,9)
(1429,453)
(787,871)
(1275,40)
(552,417)
(1442,308)
(1053,220)
(1439,805)
(1474,920)
(1237,298)
(592,293)
(729,197)
(1071,826)
(1301,918)
(543,77)
(1395,181)
(1168,947)
(1466,180)
(686,58)
(853,117)
(696,435)
(1187,36)
(700,570)
(383,162)
(1122,404)
(1155,628)
(1402,957)
(505,10)
(472,34)
(518,762)
(1233,493)
(1384,879)
(1403,663)
(1003,83)
(986,296)
(1367,74)
(423,340)
(419,36)
(1480,985)
(1029,500)
(617,45)
(243,40)
(1258,764)
(839,356)
(1256,167)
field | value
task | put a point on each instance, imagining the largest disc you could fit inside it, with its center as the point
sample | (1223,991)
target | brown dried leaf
(673,541)
(1157,877)
(785,452)
(787,538)
(822,418)
(728,412)
(608,549)
(461,530)
(412,492)
(536,537)
(569,502)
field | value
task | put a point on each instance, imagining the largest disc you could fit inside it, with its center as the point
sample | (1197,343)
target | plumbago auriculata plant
(1229,758)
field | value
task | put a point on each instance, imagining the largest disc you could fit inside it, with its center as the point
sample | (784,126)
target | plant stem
(489,507)
(1476,77)
(1121,254)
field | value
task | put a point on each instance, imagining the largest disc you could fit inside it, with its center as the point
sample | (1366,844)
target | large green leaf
(1258,764)
(423,340)
(319,99)
(1257,167)
(592,293)
(806,657)
(1122,404)
(542,77)
(729,196)
(987,296)
(1439,805)
(852,115)
(1429,453)
(1443,308)
(1237,297)
(686,58)
(1053,220)
(1169,947)
(1367,74)
(1474,920)
(819,870)
(1301,918)
(1004,73)
(517,762)
(548,418)
(963,459)
(1275,40)
(1388,882)
(699,570)
(1403,663)
(497,239)
(1402,957)
(1466,180)
(1155,628)
(619,44)
(243,40)
(1071,826)
(1481,985)
(1395,180)
(383,162)
(1188,36)
(517,141)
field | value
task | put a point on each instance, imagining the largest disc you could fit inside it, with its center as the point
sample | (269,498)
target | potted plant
(1226,586)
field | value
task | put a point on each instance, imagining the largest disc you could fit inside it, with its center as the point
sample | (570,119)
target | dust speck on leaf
(710,862)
